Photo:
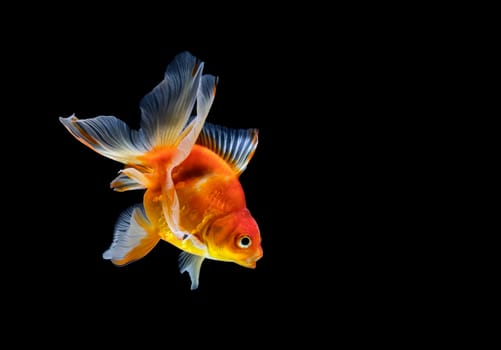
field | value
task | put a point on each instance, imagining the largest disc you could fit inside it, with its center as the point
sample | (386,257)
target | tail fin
(165,112)
(166,109)
(108,136)
(166,122)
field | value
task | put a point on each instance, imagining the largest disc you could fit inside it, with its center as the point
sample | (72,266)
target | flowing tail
(166,123)
(165,119)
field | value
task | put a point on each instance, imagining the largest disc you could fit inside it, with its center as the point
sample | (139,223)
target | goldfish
(189,170)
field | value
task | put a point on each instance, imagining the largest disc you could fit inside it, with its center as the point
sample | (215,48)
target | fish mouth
(246,263)
(250,262)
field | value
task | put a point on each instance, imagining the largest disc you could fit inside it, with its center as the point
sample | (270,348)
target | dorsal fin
(235,146)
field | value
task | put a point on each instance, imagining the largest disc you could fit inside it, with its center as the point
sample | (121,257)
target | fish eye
(244,242)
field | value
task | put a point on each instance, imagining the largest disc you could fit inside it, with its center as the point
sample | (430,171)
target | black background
(313,185)
(106,70)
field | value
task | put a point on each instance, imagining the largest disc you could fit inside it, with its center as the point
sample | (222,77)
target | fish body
(189,171)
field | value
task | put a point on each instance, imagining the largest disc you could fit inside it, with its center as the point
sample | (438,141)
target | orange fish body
(189,170)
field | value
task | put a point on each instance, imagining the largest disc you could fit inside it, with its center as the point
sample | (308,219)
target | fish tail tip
(71,118)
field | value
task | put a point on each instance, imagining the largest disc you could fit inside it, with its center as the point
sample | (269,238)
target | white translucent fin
(235,146)
(129,179)
(191,263)
(190,134)
(166,109)
(133,237)
(205,97)
(108,136)
(170,207)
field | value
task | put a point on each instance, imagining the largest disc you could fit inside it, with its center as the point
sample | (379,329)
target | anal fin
(134,237)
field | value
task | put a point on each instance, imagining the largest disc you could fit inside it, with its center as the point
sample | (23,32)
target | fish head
(235,238)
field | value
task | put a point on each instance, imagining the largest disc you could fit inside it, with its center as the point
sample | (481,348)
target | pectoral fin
(192,264)
(134,237)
